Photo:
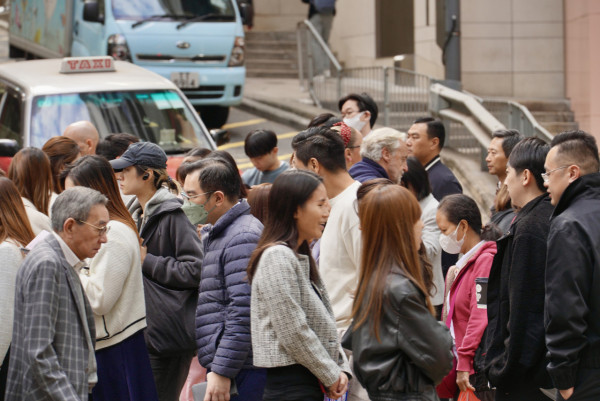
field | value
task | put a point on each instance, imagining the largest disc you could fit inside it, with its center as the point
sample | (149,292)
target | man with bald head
(86,136)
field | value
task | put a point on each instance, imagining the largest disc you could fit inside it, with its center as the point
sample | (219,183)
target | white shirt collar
(72,259)
(465,258)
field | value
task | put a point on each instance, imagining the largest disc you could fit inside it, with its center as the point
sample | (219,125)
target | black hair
(260,142)
(459,207)
(510,138)
(217,174)
(324,120)
(198,151)
(290,190)
(530,154)
(114,145)
(435,129)
(324,145)
(416,178)
(364,103)
(578,147)
(229,159)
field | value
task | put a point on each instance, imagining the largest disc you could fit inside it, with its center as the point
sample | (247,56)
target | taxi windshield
(171,9)
(158,116)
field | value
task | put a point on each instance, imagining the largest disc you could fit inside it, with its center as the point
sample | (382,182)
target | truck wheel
(213,116)
(15,52)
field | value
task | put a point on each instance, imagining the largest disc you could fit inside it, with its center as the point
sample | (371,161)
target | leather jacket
(415,351)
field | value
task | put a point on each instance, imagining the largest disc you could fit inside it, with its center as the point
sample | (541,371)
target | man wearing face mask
(212,189)
(359,112)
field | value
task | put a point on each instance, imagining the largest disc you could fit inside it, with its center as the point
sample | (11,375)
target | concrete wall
(428,55)
(278,15)
(582,29)
(513,48)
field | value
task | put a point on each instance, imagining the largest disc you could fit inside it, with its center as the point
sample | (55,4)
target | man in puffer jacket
(223,312)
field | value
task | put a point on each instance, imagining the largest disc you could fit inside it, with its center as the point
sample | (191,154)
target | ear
(526,177)
(69,226)
(367,116)
(348,155)
(435,143)
(386,155)
(313,165)
(275,150)
(219,198)
(574,172)
(466,228)
(89,143)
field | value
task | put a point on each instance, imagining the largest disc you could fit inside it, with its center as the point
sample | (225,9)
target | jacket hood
(585,186)
(161,202)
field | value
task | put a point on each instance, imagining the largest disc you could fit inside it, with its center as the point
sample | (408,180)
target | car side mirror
(91,12)
(247,13)
(8,147)
(220,136)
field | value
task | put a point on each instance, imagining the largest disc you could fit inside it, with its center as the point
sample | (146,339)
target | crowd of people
(357,270)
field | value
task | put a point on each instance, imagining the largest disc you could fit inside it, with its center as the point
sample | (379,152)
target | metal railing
(516,116)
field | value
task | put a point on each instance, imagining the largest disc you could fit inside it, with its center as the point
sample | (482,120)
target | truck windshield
(158,116)
(171,9)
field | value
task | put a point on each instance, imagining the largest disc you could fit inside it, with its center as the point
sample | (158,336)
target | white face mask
(450,244)
(355,121)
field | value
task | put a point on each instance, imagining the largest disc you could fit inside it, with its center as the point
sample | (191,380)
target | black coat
(515,357)
(415,349)
(572,317)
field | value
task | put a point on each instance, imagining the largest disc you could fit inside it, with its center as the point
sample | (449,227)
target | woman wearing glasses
(113,285)
(171,260)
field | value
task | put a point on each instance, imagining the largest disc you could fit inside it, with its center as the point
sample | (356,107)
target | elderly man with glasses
(52,352)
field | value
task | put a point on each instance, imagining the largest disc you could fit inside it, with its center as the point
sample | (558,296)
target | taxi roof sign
(71,65)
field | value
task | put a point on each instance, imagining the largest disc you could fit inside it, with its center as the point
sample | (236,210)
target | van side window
(10,115)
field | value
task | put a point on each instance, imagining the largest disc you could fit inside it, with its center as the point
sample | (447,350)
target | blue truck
(197,44)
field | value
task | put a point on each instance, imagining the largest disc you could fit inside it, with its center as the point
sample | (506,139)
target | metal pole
(301,76)
(386,98)
(452,50)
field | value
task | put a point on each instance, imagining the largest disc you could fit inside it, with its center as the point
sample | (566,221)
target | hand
(218,387)
(143,252)
(462,380)
(566,394)
(339,388)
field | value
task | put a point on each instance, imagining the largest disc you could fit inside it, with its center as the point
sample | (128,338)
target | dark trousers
(587,386)
(250,384)
(170,373)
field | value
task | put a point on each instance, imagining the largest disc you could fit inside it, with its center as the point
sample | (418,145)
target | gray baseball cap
(141,154)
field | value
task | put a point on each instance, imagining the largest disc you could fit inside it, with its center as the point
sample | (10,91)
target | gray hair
(75,203)
(382,138)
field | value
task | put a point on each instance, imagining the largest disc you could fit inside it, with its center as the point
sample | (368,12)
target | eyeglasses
(348,113)
(546,175)
(185,196)
(101,230)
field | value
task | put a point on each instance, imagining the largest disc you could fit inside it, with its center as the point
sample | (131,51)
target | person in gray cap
(171,260)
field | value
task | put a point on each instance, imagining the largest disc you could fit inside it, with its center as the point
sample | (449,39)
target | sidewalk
(284,101)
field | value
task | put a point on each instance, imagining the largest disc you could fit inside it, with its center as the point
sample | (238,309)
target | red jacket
(469,321)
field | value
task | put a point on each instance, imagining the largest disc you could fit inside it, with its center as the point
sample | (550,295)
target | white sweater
(113,285)
(431,240)
(339,260)
(38,220)
(11,258)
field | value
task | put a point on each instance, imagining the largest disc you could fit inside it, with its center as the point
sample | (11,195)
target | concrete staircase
(554,115)
(271,55)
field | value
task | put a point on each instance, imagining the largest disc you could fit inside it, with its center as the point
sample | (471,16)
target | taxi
(40,98)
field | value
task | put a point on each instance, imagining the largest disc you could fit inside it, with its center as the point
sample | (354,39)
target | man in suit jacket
(52,352)
(426,139)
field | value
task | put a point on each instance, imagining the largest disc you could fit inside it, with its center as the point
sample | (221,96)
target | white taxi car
(39,99)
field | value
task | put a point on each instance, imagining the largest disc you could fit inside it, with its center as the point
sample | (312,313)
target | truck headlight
(237,53)
(117,48)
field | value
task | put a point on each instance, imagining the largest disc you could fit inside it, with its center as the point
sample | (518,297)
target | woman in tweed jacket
(294,334)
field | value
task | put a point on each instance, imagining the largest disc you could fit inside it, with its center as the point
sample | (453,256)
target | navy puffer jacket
(223,312)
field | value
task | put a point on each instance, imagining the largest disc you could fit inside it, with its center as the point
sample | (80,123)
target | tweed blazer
(49,353)
(291,318)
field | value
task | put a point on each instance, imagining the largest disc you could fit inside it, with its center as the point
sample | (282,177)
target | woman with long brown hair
(31,172)
(400,351)
(114,287)
(61,151)
(294,334)
(15,232)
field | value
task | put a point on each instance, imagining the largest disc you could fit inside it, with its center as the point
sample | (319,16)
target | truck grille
(166,58)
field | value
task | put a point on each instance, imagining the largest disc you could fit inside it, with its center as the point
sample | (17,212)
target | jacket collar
(432,162)
(239,209)
(373,165)
(532,204)
(587,185)
(487,247)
